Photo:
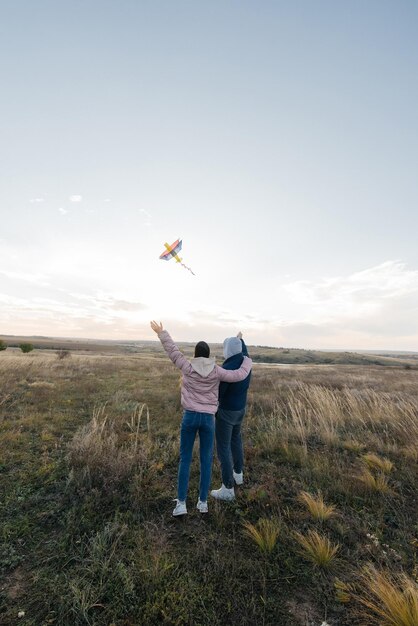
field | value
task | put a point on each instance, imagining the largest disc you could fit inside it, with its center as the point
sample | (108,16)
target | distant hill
(259,354)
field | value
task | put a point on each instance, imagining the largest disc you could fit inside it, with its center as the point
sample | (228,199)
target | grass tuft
(374,462)
(264,533)
(316,506)
(389,600)
(317,548)
(377,483)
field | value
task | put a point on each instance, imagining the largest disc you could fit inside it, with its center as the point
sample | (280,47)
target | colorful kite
(171,252)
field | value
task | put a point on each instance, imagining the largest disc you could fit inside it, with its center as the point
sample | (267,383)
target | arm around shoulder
(234,376)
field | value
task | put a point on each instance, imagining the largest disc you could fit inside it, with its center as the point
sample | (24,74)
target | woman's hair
(202,349)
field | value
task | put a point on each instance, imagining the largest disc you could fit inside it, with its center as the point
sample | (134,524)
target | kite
(172,251)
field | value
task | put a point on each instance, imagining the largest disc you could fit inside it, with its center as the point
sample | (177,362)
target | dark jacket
(233,396)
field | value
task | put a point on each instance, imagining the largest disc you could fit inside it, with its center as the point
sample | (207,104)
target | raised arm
(170,347)
(244,347)
(234,376)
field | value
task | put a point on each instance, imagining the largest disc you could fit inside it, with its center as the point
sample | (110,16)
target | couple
(204,384)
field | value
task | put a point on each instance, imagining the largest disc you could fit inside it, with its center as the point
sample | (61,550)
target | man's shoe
(180,508)
(223,493)
(239,478)
(202,506)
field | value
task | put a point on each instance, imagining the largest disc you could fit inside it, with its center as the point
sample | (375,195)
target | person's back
(231,411)
(233,396)
(199,399)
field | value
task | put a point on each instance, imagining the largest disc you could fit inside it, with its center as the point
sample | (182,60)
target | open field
(260,354)
(324,529)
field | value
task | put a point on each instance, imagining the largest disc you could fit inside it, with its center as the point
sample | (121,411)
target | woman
(199,399)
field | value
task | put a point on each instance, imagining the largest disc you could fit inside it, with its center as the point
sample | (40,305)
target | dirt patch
(16,584)
(304,613)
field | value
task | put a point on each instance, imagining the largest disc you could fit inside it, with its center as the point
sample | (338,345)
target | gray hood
(203,365)
(232,346)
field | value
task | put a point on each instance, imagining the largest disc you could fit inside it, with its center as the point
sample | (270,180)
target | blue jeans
(192,423)
(229,444)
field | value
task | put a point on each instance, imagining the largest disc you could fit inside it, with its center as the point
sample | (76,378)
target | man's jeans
(192,423)
(229,444)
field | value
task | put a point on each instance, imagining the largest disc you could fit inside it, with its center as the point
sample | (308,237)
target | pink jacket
(201,377)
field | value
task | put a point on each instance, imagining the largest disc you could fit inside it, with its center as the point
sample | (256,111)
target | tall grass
(389,600)
(98,455)
(311,410)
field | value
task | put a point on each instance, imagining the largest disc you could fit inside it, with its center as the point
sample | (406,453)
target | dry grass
(368,416)
(372,461)
(97,456)
(118,555)
(316,506)
(375,483)
(389,600)
(317,548)
(264,534)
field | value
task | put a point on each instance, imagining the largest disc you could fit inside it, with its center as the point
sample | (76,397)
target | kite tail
(188,268)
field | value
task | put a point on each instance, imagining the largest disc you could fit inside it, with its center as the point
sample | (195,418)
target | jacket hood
(232,346)
(203,365)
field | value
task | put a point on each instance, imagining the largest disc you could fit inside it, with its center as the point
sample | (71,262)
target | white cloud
(358,295)
(63,211)
(76,198)
(36,200)
(37,279)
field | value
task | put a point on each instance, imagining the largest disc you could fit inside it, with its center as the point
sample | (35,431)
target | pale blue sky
(278,139)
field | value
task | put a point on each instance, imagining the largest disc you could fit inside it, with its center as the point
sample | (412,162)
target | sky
(277,139)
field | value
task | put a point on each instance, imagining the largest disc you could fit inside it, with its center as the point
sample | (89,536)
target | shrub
(3,345)
(63,354)
(26,347)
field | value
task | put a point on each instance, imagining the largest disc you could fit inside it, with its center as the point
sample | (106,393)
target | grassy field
(260,354)
(323,530)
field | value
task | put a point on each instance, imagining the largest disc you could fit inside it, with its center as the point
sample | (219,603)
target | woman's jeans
(229,444)
(192,423)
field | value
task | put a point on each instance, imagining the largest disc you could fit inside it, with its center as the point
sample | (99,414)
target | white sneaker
(239,478)
(202,506)
(223,493)
(180,508)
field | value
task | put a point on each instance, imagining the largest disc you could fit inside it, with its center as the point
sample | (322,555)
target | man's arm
(244,347)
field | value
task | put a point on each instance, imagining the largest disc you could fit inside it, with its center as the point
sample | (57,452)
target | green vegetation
(3,345)
(88,466)
(26,347)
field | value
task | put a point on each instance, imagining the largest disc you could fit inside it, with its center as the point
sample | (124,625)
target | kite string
(188,268)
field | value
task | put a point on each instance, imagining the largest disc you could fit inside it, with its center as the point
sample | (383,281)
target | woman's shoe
(180,509)
(202,506)
(223,493)
(239,478)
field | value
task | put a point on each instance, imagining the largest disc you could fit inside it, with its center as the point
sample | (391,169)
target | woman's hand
(157,328)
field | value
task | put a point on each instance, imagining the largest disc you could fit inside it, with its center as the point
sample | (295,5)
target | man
(231,411)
